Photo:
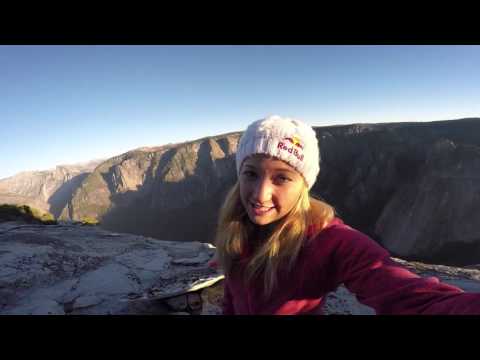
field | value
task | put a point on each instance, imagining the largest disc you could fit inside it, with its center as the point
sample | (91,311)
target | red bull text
(291,150)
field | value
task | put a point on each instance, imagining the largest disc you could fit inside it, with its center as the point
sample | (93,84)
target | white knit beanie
(287,139)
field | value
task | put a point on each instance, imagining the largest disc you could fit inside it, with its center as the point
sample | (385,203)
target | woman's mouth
(259,210)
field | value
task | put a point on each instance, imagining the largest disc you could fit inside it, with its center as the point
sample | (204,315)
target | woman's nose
(263,191)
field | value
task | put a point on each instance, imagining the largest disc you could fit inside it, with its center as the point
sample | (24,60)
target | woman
(283,251)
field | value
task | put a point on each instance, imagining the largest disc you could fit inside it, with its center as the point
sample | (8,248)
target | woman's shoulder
(335,229)
(345,241)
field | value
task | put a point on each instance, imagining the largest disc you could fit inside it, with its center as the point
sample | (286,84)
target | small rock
(194,301)
(177,303)
(212,299)
(43,307)
(199,259)
(86,301)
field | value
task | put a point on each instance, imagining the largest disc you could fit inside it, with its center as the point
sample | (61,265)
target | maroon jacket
(340,254)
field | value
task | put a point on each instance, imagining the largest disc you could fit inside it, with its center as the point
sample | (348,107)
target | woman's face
(269,188)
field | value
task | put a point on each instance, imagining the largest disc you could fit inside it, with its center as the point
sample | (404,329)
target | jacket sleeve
(227,299)
(367,270)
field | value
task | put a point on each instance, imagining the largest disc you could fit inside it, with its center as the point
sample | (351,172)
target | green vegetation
(25,213)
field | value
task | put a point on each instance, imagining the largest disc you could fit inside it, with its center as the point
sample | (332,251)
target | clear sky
(70,104)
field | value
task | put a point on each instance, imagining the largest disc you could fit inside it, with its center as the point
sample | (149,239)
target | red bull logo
(295,141)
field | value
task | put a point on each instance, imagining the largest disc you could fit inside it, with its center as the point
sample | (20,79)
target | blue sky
(69,104)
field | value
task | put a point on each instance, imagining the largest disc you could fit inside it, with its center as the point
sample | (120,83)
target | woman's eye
(249,174)
(283,179)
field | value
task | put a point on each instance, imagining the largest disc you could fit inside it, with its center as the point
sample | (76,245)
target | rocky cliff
(48,190)
(410,186)
(171,192)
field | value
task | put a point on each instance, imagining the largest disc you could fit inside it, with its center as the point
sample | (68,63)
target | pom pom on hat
(287,139)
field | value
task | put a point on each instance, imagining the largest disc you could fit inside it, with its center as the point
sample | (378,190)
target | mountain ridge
(367,171)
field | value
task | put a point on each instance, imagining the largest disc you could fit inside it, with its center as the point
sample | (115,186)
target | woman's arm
(367,270)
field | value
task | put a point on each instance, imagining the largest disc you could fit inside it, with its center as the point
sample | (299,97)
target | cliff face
(47,190)
(436,217)
(412,187)
(172,192)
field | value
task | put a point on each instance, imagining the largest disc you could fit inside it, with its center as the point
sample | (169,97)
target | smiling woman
(283,251)
(268,210)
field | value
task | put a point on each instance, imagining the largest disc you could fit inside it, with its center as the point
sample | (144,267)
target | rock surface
(73,269)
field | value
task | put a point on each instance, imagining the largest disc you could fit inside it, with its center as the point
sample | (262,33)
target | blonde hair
(282,245)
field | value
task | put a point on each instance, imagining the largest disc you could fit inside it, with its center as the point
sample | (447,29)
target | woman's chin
(261,220)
